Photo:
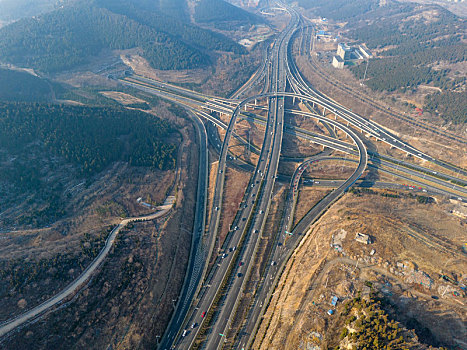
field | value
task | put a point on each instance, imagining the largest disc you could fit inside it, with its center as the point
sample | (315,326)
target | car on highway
(240,263)
(194,325)
(203,314)
(224,255)
(184,333)
(239,274)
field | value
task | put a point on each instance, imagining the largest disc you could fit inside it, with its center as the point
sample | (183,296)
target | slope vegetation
(22,86)
(68,37)
(207,11)
(41,146)
(148,15)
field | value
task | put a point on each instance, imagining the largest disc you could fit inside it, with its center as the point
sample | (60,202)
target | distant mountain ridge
(207,11)
(12,10)
(69,36)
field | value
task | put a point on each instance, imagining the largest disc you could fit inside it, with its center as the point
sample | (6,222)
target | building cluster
(346,54)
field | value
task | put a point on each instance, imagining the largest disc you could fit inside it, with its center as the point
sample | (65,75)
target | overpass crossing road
(262,178)
(230,302)
(221,287)
(329,142)
(414,169)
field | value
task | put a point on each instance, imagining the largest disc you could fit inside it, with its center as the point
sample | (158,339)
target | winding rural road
(17,321)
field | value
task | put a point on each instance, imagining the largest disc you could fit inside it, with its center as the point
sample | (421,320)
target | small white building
(362,238)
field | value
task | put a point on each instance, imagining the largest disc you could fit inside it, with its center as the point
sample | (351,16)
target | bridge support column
(324,111)
(245,106)
(293,99)
(255,102)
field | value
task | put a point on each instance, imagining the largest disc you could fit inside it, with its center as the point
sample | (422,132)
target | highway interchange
(213,308)
(209,298)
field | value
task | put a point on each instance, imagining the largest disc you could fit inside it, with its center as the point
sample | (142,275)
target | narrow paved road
(11,324)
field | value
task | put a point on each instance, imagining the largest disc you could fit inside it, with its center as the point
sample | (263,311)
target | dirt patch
(121,97)
(412,245)
(234,188)
(307,199)
(212,185)
(142,67)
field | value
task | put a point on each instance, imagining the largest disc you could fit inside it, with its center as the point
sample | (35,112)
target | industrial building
(365,52)
(322,34)
(344,51)
(347,54)
(337,62)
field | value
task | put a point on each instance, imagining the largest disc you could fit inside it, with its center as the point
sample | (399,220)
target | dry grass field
(413,245)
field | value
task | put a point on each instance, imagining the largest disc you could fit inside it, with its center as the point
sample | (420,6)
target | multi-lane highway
(198,252)
(208,300)
(213,308)
(252,216)
(275,116)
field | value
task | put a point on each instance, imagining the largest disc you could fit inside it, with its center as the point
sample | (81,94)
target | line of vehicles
(280,70)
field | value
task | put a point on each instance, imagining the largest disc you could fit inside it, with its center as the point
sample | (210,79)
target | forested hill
(148,14)
(67,37)
(340,10)
(413,45)
(220,11)
(11,10)
(22,86)
(91,138)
